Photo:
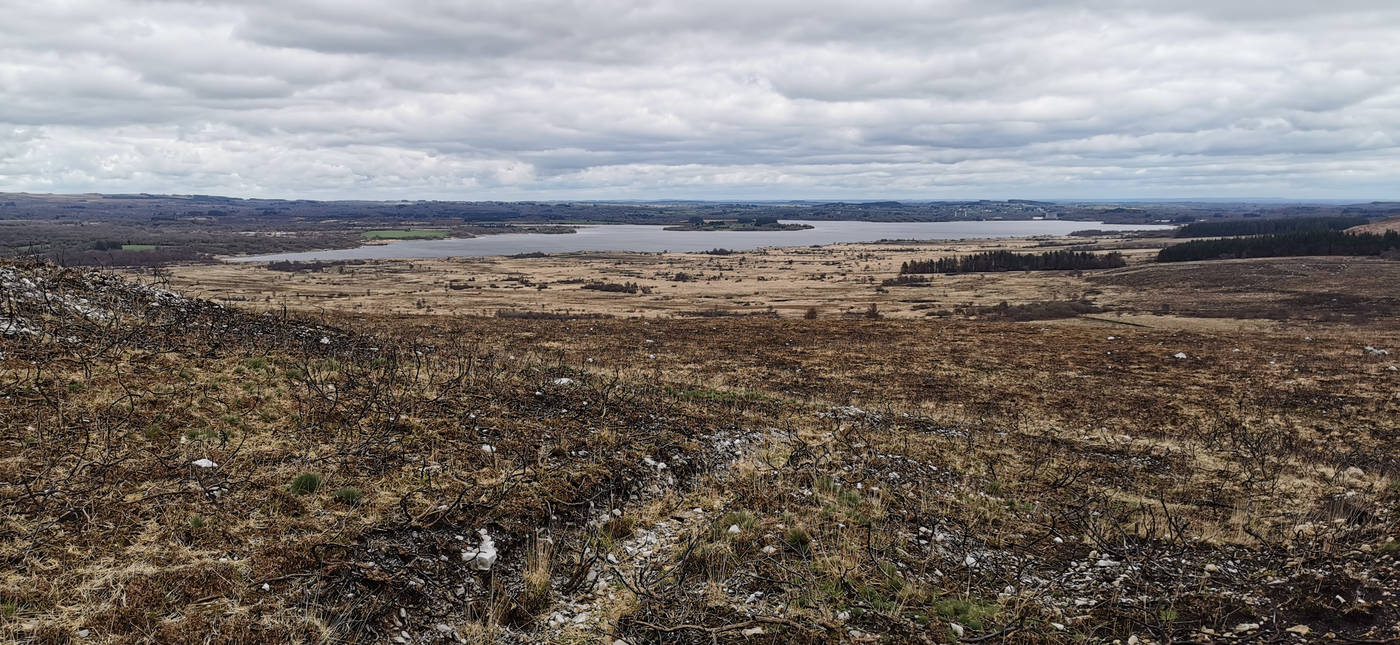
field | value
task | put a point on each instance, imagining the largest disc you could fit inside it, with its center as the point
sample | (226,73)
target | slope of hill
(1379,227)
(173,470)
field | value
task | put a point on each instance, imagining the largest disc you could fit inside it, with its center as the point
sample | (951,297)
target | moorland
(772,446)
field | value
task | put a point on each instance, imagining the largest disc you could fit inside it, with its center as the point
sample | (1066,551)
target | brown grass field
(1202,452)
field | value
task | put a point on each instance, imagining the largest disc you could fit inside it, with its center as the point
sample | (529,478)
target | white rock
(733,529)
(1246,627)
(770,550)
(564,381)
(484,557)
(325,340)
(204,463)
(957,629)
(488,448)
(1179,355)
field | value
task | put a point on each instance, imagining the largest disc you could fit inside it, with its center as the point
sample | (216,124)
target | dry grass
(842,280)
(1379,227)
(1033,482)
(837,279)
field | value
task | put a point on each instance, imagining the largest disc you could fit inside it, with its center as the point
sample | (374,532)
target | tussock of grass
(350,496)
(306,483)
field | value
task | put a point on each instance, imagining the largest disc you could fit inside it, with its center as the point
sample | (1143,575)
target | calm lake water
(629,237)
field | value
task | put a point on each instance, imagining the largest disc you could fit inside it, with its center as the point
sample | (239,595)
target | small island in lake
(736,224)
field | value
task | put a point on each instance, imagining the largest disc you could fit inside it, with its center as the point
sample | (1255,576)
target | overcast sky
(713,99)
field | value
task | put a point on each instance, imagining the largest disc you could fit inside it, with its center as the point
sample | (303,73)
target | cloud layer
(535,99)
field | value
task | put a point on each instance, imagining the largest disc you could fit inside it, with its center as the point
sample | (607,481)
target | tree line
(1268,226)
(1325,242)
(992,261)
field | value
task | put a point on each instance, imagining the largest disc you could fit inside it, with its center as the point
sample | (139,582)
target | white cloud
(776,99)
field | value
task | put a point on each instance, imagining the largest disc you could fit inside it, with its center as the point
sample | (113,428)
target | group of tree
(701,220)
(1325,242)
(1270,226)
(617,287)
(992,261)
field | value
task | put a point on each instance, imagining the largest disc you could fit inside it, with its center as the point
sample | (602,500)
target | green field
(404,234)
(138,247)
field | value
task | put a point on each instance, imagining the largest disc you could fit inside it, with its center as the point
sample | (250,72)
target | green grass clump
(138,247)
(349,496)
(742,519)
(404,234)
(972,614)
(306,483)
(798,540)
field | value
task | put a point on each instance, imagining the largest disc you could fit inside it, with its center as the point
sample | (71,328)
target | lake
(632,237)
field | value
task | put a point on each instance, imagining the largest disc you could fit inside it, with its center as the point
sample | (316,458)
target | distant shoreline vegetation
(737,224)
(1323,242)
(1269,226)
(404,234)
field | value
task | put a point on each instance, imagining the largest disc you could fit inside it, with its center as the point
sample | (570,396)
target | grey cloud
(728,98)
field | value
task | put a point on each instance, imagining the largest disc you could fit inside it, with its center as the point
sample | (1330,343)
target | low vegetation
(1047,310)
(699,223)
(404,234)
